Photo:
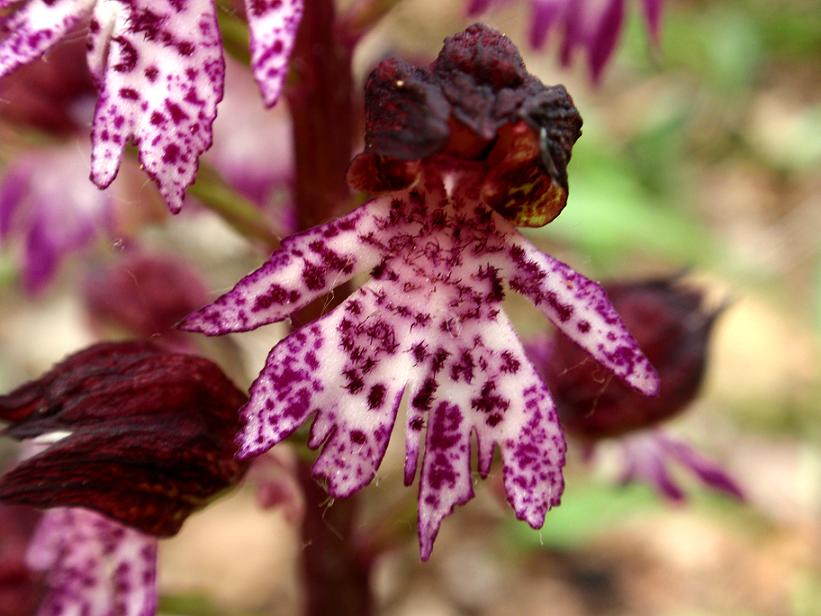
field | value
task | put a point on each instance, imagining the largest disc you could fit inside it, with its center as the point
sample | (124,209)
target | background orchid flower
(672,326)
(53,214)
(160,71)
(443,145)
(93,565)
(145,294)
(593,26)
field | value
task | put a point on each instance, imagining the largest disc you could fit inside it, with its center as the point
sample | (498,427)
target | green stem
(240,213)
(235,37)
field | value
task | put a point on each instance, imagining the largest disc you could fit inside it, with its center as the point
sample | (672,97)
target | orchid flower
(94,566)
(592,25)
(160,70)
(459,153)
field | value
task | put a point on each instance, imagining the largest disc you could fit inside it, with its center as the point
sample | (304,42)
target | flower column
(320,98)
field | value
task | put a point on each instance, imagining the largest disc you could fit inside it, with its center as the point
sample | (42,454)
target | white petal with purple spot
(306,266)
(29,32)
(162,81)
(273,25)
(580,309)
(430,321)
(93,566)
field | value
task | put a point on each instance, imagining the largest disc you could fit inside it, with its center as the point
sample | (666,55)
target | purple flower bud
(671,326)
(145,294)
(141,435)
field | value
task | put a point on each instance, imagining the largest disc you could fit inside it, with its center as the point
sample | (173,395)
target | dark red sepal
(482,75)
(151,435)
(477,102)
(406,115)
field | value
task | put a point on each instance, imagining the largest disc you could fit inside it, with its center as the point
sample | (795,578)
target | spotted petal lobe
(94,566)
(580,308)
(273,25)
(162,81)
(30,31)
(306,266)
(484,387)
(354,414)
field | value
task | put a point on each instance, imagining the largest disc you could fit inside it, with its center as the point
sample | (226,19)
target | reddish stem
(320,97)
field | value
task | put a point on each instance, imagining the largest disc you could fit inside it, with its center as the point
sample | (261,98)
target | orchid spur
(160,70)
(458,154)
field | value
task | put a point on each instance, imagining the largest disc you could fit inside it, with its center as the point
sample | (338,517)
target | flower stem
(336,573)
(320,97)
(242,215)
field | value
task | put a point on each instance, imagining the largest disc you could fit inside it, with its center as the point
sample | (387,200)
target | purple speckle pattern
(649,454)
(273,25)
(429,320)
(307,265)
(28,32)
(93,566)
(581,310)
(162,81)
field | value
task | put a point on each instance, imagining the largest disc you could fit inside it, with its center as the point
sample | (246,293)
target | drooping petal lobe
(649,454)
(273,25)
(94,566)
(163,79)
(580,308)
(305,267)
(481,383)
(354,414)
(30,31)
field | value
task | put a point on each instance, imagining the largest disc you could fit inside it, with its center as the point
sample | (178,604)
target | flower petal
(32,29)
(604,36)
(100,31)
(483,384)
(544,13)
(580,308)
(162,82)
(94,566)
(708,472)
(652,16)
(355,414)
(273,25)
(306,266)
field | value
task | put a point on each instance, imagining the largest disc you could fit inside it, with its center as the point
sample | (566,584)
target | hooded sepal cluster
(476,102)
(137,433)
